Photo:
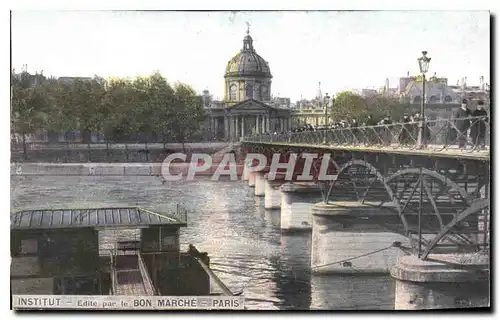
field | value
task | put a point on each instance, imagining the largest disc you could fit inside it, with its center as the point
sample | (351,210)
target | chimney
(387,84)
(481,83)
(408,74)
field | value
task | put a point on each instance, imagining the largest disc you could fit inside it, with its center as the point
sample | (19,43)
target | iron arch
(473,208)
(381,178)
(446,181)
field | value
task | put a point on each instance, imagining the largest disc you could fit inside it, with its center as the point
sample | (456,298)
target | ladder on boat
(129,276)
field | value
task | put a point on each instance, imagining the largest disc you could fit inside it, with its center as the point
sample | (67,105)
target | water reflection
(352,292)
(292,274)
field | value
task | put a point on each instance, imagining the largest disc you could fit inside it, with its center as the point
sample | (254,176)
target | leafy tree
(349,105)
(86,101)
(118,107)
(117,110)
(60,115)
(189,114)
(29,106)
(162,100)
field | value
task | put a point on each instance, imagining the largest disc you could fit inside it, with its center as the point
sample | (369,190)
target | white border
(189,5)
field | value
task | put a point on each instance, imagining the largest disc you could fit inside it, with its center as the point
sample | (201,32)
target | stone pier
(260,183)
(442,281)
(272,196)
(246,172)
(296,203)
(251,179)
(343,232)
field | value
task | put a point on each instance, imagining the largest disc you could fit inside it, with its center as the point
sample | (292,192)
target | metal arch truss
(438,214)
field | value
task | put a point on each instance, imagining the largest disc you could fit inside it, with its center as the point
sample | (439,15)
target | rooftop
(89,218)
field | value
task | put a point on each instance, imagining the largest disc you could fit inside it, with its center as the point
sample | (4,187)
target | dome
(248,62)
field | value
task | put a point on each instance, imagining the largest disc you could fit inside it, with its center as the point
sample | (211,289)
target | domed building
(247,108)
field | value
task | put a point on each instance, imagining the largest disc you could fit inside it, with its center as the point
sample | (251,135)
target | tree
(60,115)
(86,102)
(349,105)
(29,106)
(189,113)
(162,101)
(117,110)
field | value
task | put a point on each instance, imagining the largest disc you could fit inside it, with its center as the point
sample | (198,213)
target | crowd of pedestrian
(468,126)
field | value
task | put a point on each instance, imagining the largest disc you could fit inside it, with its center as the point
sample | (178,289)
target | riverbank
(111,153)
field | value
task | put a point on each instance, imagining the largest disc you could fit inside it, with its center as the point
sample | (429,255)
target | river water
(226,220)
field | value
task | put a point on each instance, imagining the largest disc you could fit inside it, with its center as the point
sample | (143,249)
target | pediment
(250,105)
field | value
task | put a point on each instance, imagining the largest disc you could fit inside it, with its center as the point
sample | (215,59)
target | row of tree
(119,108)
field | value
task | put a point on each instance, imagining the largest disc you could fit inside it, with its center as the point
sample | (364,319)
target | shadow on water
(225,219)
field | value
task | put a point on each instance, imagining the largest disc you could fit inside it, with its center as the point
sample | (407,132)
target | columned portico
(248,117)
(247,105)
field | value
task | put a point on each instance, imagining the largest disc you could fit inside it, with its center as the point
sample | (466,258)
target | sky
(343,50)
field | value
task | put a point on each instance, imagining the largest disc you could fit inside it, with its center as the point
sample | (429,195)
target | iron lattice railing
(472,133)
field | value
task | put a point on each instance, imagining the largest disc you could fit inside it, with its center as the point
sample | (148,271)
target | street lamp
(423,63)
(326,102)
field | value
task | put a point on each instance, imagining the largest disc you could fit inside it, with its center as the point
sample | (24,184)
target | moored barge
(58,252)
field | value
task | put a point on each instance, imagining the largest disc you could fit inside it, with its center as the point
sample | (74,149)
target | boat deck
(128,278)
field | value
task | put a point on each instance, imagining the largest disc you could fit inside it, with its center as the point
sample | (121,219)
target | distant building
(248,106)
(310,111)
(68,80)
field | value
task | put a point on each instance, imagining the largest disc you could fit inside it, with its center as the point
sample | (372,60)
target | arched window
(432,99)
(416,99)
(233,90)
(249,91)
(264,93)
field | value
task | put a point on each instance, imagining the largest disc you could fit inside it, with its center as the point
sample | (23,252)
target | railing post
(420,214)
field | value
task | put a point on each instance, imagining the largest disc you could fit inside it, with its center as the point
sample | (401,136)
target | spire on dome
(248,41)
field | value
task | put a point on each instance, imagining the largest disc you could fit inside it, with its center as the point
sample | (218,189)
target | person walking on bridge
(404,134)
(462,123)
(478,129)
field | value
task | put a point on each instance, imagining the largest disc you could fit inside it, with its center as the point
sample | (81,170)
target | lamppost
(326,102)
(423,63)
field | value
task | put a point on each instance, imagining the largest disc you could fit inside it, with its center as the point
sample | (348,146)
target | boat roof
(91,217)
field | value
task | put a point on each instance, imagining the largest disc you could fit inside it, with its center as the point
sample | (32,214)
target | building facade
(247,107)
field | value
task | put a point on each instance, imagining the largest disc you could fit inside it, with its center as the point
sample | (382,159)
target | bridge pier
(260,182)
(348,238)
(251,179)
(442,281)
(246,172)
(296,202)
(272,193)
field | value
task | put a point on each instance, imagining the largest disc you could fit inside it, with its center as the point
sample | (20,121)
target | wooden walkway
(130,283)
(128,279)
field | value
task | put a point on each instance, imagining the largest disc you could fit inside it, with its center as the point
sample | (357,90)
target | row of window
(249,92)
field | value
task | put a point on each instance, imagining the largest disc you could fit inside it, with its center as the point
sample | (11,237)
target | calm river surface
(243,240)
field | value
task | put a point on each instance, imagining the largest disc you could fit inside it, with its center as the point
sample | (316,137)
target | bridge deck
(431,150)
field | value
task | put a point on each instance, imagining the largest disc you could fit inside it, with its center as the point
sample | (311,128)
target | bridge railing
(442,133)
